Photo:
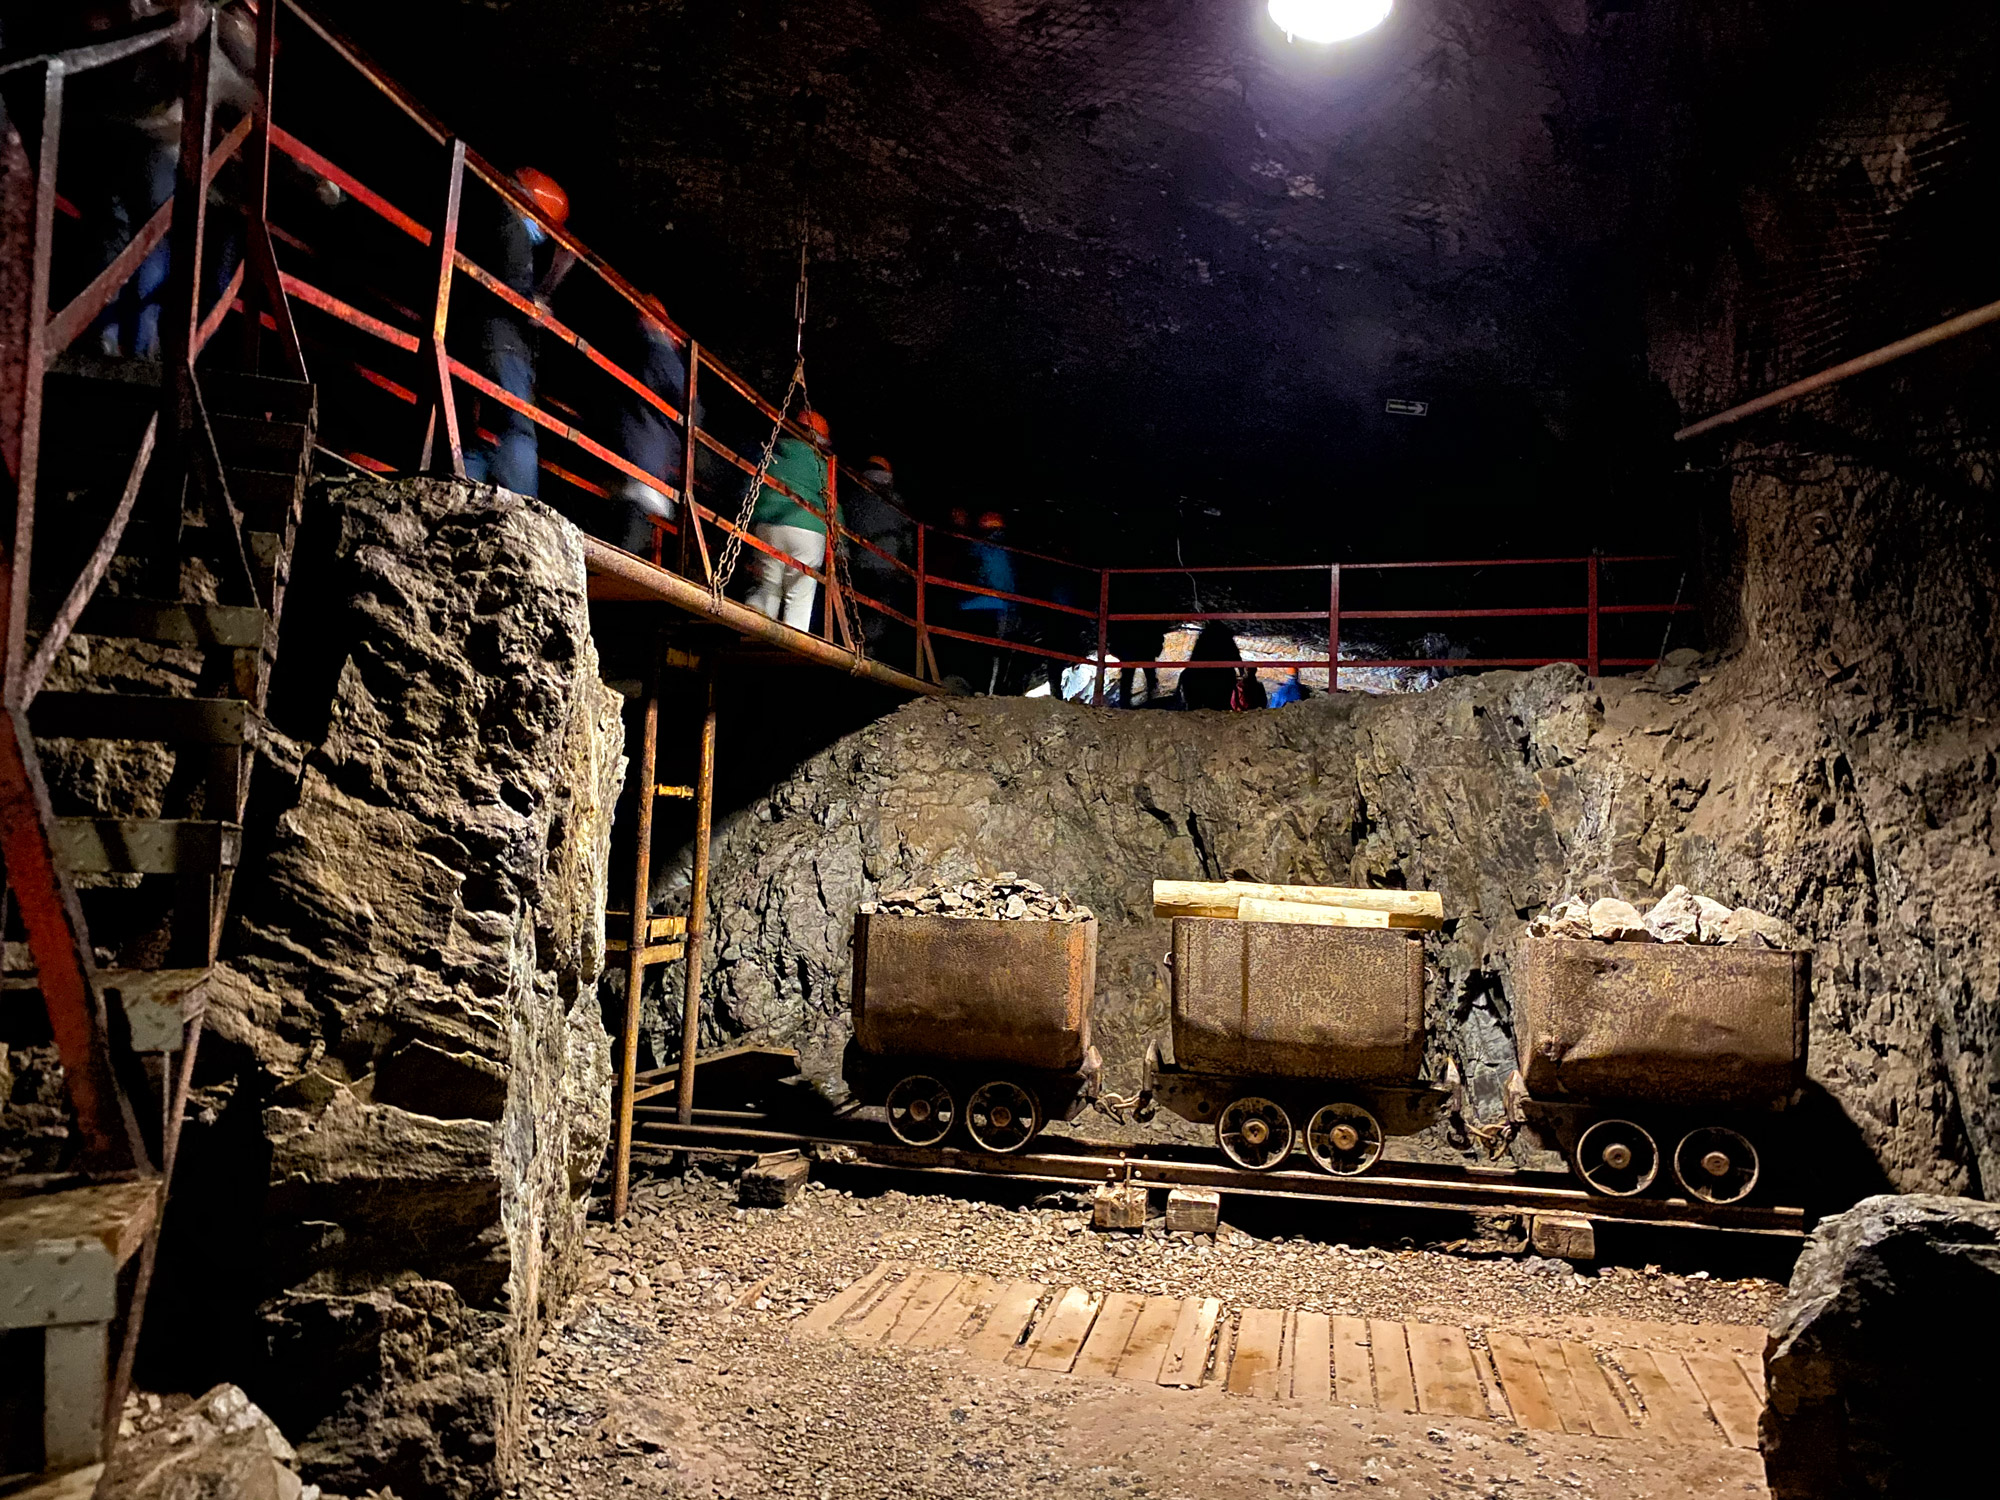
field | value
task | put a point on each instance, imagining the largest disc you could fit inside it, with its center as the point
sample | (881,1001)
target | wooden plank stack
(1311,905)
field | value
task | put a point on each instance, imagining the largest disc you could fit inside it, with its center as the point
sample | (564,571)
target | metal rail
(1399,1185)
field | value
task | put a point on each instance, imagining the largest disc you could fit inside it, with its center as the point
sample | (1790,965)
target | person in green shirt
(781,591)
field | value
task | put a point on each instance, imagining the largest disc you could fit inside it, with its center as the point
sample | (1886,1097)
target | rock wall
(1504,792)
(404,1044)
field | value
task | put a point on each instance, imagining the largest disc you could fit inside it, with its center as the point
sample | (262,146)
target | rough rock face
(220,1447)
(1503,792)
(410,990)
(1861,1404)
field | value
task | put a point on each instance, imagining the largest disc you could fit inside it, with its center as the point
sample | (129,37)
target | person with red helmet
(992,568)
(512,239)
(793,524)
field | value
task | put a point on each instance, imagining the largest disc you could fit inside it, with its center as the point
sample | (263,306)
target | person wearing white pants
(793,523)
(782,593)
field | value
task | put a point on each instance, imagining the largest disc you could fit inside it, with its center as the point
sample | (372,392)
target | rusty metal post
(1103,632)
(1592,651)
(257,215)
(690,547)
(437,361)
(1333,632)
(24,444)
(635,943)
(697,922)
(923,634)
(829,573)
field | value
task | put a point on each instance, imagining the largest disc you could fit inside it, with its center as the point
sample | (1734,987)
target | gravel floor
(672,1371)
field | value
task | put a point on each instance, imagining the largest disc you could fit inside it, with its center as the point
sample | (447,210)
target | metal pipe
(1333,631)
(1591,642)
(1103,634)
(1937,333)
(634,578)
(697,921)
(635,944)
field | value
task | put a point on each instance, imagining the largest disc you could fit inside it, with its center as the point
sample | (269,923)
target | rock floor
(672,1371)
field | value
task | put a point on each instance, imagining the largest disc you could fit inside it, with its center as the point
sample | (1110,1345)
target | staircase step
(174,623)
(253,443)
(265,499)
(133,716)
(146,846)
(157,1002)
(237,393)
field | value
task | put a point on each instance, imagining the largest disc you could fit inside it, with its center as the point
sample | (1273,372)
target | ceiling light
(1328,20)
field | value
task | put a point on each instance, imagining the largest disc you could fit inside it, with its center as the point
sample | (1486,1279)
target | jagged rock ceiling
(1147,256)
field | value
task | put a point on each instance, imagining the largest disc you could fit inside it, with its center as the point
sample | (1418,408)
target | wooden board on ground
(1211,898)
(880,1318)
(929,1290)
(1312,1359)
(1352,1382)
(1601,1407)
(1063,1331)
(1108,1335)
(1260,1339)
(969,1302)
(1527,1393)
(1441,1360)
(1561,1386)
(1187,1351)
(1729,1397)
(1752,1366)
(1670,1414)
(1002,1329)
(1146,1348)
(840,1304)
(1496,1400)
(1309,914)
(1395,1390)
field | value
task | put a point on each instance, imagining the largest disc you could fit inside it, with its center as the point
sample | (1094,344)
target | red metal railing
(388,330)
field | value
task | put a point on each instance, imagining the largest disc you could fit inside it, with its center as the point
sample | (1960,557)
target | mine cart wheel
(1617,1158)
(1717,1164)
(1345,1139)
(1002,1117)
(1254,1133)
(921,1110)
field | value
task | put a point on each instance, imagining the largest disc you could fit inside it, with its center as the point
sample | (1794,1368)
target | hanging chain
(725,567)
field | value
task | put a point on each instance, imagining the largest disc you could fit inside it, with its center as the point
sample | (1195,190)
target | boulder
(1873,1386)
(1712,916)
(222,1447)
(1675,917)
(1617,921)
(1756,928)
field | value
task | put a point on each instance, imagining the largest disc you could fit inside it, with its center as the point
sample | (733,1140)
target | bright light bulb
(1329,20)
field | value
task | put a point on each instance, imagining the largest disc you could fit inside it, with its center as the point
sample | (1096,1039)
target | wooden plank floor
(1276,1354)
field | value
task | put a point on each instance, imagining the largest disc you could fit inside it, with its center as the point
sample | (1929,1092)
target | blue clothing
(645,436)
(992,568)
(1287,691)
(513,461)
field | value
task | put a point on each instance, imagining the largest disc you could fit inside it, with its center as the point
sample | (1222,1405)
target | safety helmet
(959,519)
(877,464)
(991,520)
(545,193)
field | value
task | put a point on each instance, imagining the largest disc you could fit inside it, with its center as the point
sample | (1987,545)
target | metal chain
(732,549)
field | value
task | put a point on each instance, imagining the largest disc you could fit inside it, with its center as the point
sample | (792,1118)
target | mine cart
(974,1019)
(1639,1057)
(1275,1022)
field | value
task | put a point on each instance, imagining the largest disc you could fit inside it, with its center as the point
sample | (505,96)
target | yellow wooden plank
(1669,1413)
(1561,1386)
(1602,1408)
(1352,1381)
(1441,1360)
(1260,1340)
(1310,914)
(1187,1351)
(1001,1331)
(1108,1336)
(840,1304)
(879,1319)
(1211,898)
(1063,1331)
(1395,1390)
(1752,1366)
(928,1293)
(1147,1346)
(1496,1400)
(969,1301)
(1521,1376)
(1734,1405)
(1312,1359)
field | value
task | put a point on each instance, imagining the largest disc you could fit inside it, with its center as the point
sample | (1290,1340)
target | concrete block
(1563,1236)
(1193,1211)
(774,1181)
(1118,1205)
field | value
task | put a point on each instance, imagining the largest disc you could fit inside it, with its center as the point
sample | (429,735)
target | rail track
(1064,1160)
